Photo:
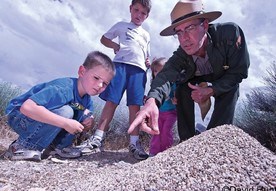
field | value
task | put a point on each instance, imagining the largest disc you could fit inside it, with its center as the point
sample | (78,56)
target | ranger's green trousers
(224,108)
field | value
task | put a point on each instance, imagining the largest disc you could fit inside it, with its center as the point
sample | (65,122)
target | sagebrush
(257,116)
(7,92)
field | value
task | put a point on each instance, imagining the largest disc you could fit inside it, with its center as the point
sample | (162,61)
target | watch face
(225,67)
(181,76)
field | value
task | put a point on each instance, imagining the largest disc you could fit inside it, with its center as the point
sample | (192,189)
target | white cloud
(42,40)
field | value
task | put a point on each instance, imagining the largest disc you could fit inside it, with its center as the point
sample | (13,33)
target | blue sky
(43,40)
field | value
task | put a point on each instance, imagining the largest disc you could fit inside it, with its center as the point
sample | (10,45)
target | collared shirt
(203,65)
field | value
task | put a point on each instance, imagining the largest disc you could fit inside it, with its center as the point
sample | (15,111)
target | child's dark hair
(97,58)
(145,3)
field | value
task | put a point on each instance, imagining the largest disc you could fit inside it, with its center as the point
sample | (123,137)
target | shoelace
(89,141)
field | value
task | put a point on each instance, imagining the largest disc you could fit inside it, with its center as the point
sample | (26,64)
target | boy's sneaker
(18,152)
(90,144)
(66,153)
(138,151)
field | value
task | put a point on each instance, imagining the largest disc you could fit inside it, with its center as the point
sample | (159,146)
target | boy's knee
(64,111)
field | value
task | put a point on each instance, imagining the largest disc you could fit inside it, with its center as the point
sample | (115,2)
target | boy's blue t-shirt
(53,95)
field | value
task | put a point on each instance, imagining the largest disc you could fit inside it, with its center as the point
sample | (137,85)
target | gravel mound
(224,158)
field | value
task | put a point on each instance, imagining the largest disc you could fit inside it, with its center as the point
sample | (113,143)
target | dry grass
(113,141)
(6,135)
(5,131)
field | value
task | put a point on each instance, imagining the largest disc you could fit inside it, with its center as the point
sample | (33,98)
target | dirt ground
(115,148)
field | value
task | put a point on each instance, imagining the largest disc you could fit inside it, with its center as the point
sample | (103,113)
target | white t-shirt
(134,43)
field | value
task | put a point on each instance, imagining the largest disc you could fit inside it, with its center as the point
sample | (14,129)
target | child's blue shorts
(130,78)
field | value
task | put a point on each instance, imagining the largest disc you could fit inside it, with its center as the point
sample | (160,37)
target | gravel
(223,158)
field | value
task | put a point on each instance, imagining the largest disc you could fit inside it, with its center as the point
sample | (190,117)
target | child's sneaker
(18,152)
(90,144)
(138,151)
(66,153)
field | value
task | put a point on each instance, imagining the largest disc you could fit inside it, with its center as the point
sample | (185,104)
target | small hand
(88,123)
(116,48)
(147,62)
(73,126)
(174,99)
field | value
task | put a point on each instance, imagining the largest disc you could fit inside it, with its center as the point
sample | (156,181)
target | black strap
(188,15)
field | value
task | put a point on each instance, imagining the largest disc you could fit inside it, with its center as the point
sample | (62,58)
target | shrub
(257,116)
(7,92)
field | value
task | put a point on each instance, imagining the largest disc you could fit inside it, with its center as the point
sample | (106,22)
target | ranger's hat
(187,10)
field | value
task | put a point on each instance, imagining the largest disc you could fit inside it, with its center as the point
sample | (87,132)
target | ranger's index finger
(137,121)
(144,127)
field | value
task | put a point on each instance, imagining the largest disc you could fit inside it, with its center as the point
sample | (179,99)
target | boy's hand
(88,123)
(116,48)
(73,126)
(110,44)
(147,62)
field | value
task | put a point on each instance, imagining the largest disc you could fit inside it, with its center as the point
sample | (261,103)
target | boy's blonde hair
(144,3)
(97,58)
